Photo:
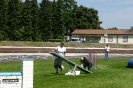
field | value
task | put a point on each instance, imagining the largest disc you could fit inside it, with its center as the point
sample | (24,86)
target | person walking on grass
(107,49)
(61,51)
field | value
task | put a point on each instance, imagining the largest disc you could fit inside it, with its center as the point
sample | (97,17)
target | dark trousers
(106,55)
(57,63)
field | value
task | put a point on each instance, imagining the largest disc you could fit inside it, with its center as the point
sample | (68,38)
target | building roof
(98,31)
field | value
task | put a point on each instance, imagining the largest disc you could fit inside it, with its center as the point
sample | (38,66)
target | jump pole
(92,58)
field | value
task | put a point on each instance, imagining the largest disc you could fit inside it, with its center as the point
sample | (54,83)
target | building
(104,36)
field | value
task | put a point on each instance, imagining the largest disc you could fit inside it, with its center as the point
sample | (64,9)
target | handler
(61,51)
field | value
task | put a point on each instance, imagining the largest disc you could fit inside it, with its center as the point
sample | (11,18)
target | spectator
(107,49)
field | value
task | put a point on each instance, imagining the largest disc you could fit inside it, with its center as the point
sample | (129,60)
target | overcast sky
(113,13)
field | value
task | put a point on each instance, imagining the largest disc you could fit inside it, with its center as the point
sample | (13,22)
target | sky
(113,13)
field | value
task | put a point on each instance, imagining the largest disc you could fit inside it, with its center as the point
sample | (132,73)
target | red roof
(97,31)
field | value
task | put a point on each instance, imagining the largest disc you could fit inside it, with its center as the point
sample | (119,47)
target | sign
(10,80)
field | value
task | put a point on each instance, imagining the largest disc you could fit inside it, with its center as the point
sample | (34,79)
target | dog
(85,63)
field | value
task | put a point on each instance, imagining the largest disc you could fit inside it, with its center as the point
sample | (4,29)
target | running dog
(85,63)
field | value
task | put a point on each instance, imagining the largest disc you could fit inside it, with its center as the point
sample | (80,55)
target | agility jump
(70,62)
(22,79)
(93,59)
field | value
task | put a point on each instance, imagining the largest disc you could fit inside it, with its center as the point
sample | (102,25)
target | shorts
(57,63)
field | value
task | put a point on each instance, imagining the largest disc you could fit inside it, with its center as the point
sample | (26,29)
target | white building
(104,36)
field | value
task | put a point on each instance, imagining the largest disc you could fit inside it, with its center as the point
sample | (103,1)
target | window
(110,38)
(81,37)
(93,38)
(125,38)
(97,38)
(90,38)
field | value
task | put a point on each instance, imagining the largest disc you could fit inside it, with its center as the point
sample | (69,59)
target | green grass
(67,44)
(109,74)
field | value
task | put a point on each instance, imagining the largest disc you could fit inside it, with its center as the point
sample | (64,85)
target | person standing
(61,50)
(107,49)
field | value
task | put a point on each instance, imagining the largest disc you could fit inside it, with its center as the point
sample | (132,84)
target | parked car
(75,40)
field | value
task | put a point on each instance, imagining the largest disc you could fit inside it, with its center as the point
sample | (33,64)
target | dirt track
(69,50)
(6,57)
(16,53)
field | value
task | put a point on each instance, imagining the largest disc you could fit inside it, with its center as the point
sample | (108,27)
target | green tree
(113,28)
(13,20)
(35,20)
(74,16)
(3,20)
(59,19)
(6,1)
(46,20)
(26,21)
(68,6)
(87,18)
(131,28)
(54,23)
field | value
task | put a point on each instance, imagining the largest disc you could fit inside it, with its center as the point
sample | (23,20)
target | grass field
(109,74)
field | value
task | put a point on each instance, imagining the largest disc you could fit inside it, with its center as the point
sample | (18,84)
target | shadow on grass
(53,74)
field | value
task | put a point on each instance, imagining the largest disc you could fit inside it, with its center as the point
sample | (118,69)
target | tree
(86,18)
(3,20)
(26,21)
(74,17)
(131,28)
(35,20)
(46,20)
(13,19)
(59,19)
(68,6)
(54,23)
(113,28)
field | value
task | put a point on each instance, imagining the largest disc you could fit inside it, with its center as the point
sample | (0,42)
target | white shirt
(107,48)
(60,50)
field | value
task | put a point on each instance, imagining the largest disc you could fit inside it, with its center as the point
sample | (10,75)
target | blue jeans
(106,55)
